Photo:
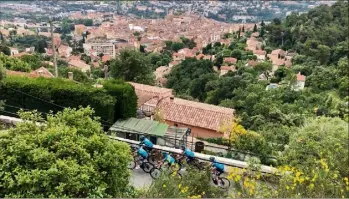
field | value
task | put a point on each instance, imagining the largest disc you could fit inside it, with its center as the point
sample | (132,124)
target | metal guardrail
(225,161)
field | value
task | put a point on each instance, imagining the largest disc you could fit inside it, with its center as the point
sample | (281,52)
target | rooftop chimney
(70,75)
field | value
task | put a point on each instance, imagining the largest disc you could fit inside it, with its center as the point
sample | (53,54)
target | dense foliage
(13,63)
(40,93)
(133,66)
(69,156)
(194,184)
(274,113)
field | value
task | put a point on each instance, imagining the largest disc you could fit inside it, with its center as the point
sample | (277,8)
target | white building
(96,49)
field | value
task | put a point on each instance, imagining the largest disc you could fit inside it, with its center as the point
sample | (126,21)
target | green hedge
(126,98)
(119,103)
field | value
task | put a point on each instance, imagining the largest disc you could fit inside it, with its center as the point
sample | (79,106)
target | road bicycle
(172,169)
(221,182)
(143,164)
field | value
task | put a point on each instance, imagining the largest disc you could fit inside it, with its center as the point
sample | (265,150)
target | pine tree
(262,24)
(255,28)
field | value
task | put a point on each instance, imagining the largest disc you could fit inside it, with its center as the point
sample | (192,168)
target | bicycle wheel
(151,158)
(131,165)
(223,183)
(155,173)
(147,167)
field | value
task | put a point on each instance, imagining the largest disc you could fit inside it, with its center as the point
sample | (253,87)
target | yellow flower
(335,176)
(311,186)
(179,186)
(239,193)
(203,193)
(258,176)
(287,187)
(164,185)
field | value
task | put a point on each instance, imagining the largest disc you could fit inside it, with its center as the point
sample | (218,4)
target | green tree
(133,66)
(68,156)
(176,46)
(13,63)
(34,61)
(255,28)
(6,50)
(320,138)
(264,67)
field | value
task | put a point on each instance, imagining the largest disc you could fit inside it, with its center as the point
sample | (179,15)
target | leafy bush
(193,184)
(109,107)
(13,63)
(67,157)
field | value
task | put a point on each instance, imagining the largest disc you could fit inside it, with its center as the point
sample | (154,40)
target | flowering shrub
(193,184)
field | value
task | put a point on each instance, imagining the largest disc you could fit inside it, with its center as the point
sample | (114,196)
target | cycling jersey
(218,166)
(169,159)
(143,153)
(188,153)
(147,143)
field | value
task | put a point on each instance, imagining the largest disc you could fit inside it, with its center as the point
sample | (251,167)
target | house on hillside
(230,60)
(278,58)
(300,82)
(79,64)
(260,54)
(13,51)
(204,120)
(225,69)
(64,51)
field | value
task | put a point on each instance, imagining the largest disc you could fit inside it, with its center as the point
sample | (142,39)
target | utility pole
(53,49)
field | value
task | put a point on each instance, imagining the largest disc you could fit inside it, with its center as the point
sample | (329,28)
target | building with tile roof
(203,119)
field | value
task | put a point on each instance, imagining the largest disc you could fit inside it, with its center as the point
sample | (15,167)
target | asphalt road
(140,179)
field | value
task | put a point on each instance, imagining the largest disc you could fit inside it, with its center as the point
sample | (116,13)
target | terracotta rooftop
(182,111)
(230,60)
(146,92)
(252,63)
(41,72)
(195,114)
(300,77)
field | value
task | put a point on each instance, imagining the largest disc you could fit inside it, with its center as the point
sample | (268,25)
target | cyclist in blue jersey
(148,145)
(167,159)
(217,168)
(188,154)
(142,153)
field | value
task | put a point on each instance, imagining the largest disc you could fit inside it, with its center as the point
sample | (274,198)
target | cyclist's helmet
(141,137)
(183,147)
(164,153)
(212,159)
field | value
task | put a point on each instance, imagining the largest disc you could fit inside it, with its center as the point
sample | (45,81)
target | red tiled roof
(106,58)
(259,52)
(20,54)
(145,92)
(230,60)
(41,72)
(182,111)
(252,63)
(195,114)
(300,77)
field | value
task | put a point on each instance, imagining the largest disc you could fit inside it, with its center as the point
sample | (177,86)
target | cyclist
(217,169)
(188,154)
(143,154)
(148,145)
(167,159)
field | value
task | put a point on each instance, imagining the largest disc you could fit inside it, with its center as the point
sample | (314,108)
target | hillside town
(168,99)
